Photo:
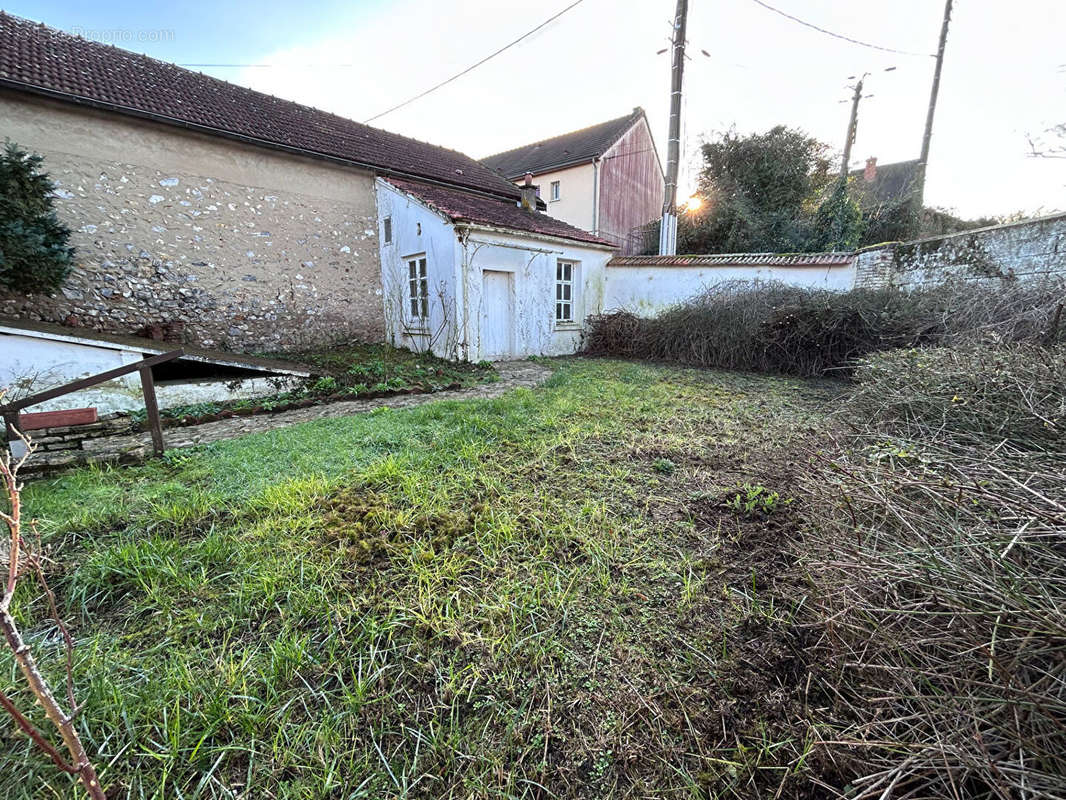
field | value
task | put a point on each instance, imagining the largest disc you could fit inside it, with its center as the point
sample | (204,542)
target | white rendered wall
(417,230)
(532,262)
(646,290)
(31,364)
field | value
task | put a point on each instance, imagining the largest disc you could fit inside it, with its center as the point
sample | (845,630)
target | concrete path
(136,447)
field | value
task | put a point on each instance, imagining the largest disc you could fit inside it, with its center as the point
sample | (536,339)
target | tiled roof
(460,206)
(739,259)
(37,58)
(569,148)
(891,184)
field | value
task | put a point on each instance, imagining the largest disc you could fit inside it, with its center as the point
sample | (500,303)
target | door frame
(511,311)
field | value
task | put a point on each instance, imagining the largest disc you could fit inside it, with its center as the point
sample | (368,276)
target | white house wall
(646,290)
(577,195)
(415,230)
(532,264)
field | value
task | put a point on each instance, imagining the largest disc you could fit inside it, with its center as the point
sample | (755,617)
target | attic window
(387,232)
(555,190)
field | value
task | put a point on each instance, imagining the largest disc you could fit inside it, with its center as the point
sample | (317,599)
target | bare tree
(20,561)
(1050,144)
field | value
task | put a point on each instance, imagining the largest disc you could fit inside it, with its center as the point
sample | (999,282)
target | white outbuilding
(478,277)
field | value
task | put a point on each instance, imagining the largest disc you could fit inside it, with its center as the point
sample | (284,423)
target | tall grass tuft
(771,327)
(938,565)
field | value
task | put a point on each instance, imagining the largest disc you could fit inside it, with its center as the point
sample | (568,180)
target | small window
(564,291)
(555,190)
(387,233)
(418,288)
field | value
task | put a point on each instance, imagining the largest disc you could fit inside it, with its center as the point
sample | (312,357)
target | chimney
(870,173)
(529,194)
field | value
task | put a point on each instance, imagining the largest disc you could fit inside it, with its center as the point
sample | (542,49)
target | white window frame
(386,230)
(416,297)
(554,191)
(566,292)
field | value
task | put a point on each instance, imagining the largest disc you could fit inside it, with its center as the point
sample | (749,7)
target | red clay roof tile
(37,58)
(460,206)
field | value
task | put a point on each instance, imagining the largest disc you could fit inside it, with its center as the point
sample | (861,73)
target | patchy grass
(543,595)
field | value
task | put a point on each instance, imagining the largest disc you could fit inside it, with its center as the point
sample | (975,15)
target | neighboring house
(886,186)
(606,178)
(252,223)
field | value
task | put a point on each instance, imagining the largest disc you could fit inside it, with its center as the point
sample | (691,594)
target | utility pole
(852,125)
(919,190)
(668,227)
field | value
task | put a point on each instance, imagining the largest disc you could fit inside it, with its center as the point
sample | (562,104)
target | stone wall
(250,249)
(1030,250)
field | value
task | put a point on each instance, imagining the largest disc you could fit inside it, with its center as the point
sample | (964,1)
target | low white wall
(649,289)
(30,364)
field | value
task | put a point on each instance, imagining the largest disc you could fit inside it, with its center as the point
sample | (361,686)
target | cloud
(599,60)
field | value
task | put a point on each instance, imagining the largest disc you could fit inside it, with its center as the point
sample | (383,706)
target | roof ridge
(636,112)
(232,96)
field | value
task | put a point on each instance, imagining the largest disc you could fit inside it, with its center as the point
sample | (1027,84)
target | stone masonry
(1030,250)
(251,250)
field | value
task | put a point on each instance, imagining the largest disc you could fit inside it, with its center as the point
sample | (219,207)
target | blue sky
(1004,79)
(202,31)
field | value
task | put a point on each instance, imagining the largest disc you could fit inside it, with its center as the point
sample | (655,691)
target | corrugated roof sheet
(569,148)
(460,206)
(36,57)
(737,259)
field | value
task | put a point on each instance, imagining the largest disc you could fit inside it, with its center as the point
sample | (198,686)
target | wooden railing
(10,411)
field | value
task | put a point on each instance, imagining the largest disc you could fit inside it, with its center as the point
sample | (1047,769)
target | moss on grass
(476,599)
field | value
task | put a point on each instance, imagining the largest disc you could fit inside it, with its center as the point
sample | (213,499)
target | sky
(1004,76)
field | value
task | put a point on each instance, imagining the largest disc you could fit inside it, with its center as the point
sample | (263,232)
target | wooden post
(152,407)
(11,421)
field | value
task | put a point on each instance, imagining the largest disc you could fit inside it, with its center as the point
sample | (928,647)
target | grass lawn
(565,592)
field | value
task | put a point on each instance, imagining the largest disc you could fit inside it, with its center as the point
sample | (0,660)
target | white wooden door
(497,315)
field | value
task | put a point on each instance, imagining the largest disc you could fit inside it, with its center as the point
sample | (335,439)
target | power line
(475,66)
(286,66)
(806,24)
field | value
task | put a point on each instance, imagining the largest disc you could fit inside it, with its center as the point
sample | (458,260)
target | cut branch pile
(938,557)
(770,327)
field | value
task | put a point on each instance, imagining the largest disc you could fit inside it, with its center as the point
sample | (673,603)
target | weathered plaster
(250,249)
(456,261)
(1028,250)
